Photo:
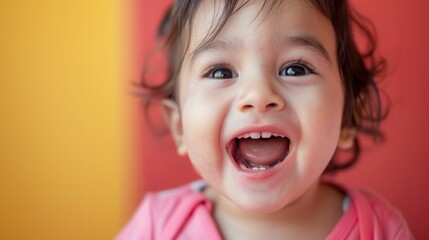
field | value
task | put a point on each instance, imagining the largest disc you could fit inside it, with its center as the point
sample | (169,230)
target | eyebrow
(217,44)
(305,40)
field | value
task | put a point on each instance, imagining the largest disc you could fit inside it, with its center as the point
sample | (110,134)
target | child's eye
(295,70)
(221,73)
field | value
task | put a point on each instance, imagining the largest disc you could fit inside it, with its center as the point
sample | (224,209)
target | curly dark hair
(362,109)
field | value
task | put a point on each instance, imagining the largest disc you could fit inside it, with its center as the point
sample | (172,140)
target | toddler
(262,96)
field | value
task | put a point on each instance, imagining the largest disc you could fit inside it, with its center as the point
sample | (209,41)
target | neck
(319,207)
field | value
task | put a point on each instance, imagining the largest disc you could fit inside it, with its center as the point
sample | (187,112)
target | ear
(347,137)
(172,118)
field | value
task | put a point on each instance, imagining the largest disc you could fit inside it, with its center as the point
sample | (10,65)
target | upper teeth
(257,135)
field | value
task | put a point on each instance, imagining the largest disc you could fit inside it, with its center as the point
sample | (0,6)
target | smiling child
(260,96)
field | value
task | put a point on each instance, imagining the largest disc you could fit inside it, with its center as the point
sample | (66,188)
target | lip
(255,174)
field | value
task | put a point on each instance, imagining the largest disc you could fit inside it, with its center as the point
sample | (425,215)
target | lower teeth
(247,165)
(258,168)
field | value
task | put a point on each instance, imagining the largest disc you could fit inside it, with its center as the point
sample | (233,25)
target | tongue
(265,151)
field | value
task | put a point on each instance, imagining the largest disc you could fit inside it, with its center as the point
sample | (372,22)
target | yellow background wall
(62,134)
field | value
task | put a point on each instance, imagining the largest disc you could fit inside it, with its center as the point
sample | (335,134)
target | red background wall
(396,169)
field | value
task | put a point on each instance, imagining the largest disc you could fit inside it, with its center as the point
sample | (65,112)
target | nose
(260,96)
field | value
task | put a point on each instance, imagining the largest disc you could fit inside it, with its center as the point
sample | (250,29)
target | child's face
(268,75)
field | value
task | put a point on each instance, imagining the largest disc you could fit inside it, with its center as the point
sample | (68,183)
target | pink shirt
(185,213)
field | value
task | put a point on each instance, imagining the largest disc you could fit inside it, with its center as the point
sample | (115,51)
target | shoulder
(168,200)
(163,210)
(376,218)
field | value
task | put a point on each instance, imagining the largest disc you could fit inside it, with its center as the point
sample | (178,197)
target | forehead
(260,22)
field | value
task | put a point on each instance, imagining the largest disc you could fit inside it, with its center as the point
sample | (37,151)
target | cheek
(204,106)
(324,117)
(201,121)
(321,116)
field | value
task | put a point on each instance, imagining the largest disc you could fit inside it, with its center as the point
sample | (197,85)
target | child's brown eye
(294,71)
(222,73)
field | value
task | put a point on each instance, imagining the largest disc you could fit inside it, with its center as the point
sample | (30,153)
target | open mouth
(259,151)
